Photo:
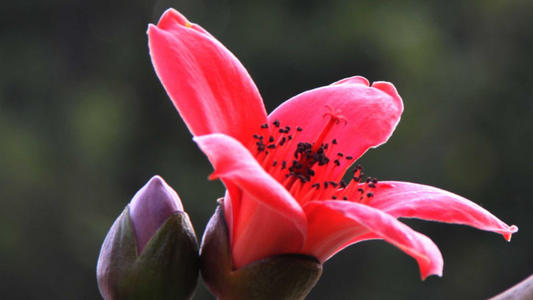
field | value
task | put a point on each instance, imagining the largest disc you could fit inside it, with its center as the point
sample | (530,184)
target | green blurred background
(84,123)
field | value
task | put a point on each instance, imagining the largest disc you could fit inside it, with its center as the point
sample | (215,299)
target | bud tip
(150,207)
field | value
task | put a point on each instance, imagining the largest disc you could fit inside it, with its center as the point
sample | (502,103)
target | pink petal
(208,85)
(371,113)
(328,230)
(231,202)
(268,220)
(411,200)
(353,219)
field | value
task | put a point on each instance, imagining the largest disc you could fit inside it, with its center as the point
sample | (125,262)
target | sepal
(167,267)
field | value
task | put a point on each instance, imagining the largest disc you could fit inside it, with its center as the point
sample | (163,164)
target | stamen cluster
(304,168)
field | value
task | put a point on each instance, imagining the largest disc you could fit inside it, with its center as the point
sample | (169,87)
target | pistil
(334,118)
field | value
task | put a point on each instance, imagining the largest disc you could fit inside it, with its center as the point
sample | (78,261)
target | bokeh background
(84,123)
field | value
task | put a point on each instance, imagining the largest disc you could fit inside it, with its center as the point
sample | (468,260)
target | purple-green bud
(151,250)
(288,276)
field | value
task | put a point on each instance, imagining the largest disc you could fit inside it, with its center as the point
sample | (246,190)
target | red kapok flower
(283,172)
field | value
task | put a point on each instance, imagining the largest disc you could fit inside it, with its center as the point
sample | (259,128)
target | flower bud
(151,251)
(287,276)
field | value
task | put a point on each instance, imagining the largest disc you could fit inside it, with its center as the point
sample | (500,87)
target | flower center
(309,170)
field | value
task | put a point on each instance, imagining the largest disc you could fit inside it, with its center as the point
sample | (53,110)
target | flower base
(287,276)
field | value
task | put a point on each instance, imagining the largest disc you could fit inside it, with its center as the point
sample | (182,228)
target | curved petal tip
(431,266)
(150,28)
(353,80)
(170,17)
(389,89)
(512,229)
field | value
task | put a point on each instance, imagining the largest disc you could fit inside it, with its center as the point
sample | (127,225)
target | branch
(521,291)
